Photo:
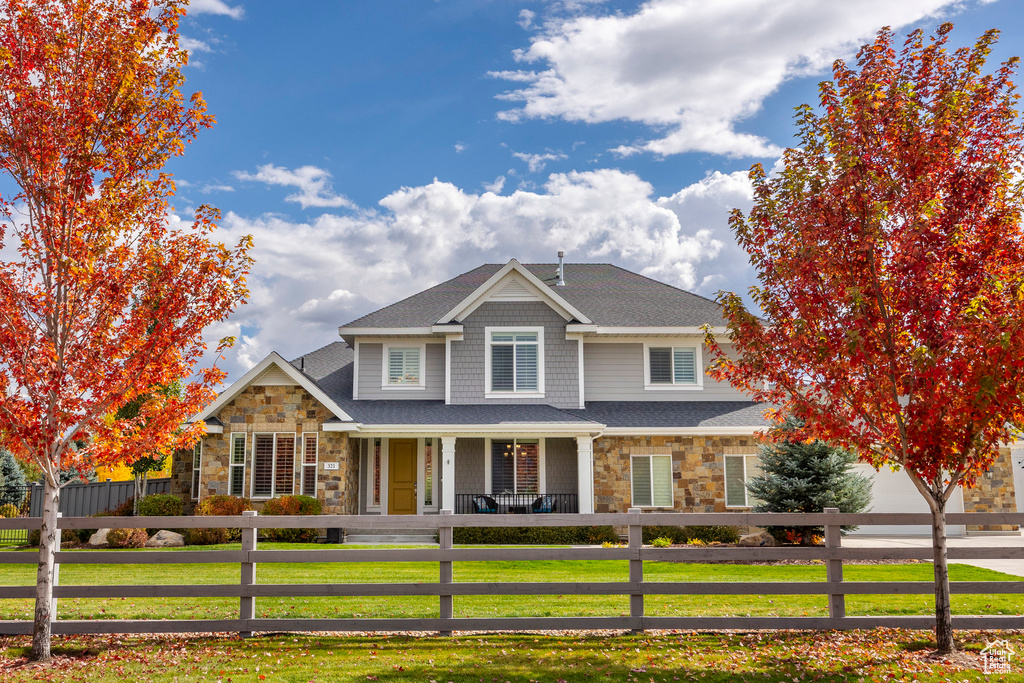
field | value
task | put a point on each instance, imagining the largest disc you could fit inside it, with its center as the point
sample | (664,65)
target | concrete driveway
(1014,566)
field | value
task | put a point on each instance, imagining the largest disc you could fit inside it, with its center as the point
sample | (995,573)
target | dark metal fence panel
(21,498)
(516,503)
(85,500)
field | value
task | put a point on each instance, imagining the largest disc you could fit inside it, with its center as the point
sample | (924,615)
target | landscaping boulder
(758,540)
(99,538)
(166,539)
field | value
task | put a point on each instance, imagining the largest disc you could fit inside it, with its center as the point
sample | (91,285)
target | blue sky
(375,149)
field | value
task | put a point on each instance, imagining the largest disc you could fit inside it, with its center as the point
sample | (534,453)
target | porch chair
(545,504)
(484,505)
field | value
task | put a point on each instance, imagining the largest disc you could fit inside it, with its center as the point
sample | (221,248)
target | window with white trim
(515,360)
(515,466)
(197,468)
(236,477)
(273,465)
(739,469)
(403,366)
(652,480)
(309,464)
(673,366)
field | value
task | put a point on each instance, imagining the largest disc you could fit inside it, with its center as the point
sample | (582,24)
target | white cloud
(497,186)
(207,189)
(691,69)
(215,7)
(525,20)
(313,183)
(310,277)
(537,162)
(459,148)
(194,44)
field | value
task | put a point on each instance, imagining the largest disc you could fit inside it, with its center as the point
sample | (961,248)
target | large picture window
(273,465)
(197,468)
(515,466)
(673,367)
(652,480)
(403,367)
(515,361)
(236,481)
(738,470)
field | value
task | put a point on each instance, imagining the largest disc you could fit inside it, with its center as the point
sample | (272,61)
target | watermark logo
(996,657)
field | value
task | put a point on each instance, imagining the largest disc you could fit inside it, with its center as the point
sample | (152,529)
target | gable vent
(514,290)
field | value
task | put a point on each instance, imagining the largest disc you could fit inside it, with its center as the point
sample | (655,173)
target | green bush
(217,506)
(686,534)
(66,536)
(564,535)
(160,505)
(125,509)
(8,510)
(292,505)
(127,538)
(661,542)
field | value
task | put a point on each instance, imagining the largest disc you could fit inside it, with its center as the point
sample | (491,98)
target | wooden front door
(402,477)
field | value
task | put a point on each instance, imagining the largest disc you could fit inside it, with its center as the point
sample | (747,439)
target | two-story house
(509,388)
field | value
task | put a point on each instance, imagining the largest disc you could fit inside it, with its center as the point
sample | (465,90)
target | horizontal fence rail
(248,591)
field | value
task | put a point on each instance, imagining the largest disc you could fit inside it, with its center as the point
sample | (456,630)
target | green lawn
(484,606)
(775,657)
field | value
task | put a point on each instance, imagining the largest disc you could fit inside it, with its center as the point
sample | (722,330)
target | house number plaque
(330,465)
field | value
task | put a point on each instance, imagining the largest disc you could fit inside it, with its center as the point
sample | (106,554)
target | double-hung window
(403,367)
(197,468)
(739,469)
(236,479)
(652,480)
(273,465)
(673,367)
(515,466)
(515,362)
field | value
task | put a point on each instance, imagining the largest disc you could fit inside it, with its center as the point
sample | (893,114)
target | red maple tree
(103,296)
(890,260)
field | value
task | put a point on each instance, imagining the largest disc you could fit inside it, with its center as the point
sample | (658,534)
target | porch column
(585,473)
(448,473)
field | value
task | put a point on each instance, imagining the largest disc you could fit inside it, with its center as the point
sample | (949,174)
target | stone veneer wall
(268,409)
(994,492)
(698,469)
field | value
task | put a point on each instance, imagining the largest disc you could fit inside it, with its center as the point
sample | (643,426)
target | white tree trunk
(41,628)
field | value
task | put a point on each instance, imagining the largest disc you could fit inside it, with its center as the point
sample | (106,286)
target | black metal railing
(515,503)
(15,501)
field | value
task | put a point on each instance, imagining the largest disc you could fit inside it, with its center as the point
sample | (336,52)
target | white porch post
(585,473)
(448,473)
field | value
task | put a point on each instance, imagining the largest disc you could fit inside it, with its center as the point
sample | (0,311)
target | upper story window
(403,367)
(673,367)
(515,361)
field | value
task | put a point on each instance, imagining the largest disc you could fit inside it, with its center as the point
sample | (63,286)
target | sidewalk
(1014,567)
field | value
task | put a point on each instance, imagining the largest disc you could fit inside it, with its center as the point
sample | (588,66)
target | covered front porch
(492,473)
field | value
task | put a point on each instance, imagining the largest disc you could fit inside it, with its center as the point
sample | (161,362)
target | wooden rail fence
(248,591)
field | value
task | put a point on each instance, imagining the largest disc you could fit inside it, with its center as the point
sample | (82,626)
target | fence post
(56,570)
(636,571)
(834,570)
(445,542)
(247,603)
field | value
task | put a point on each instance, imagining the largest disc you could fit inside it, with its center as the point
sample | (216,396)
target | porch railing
(516,503)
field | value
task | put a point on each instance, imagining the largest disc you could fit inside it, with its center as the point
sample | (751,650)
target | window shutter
(661,480)
(641,481)
(661,365)
(284,471)
(237,485)
(735,481)
(526,367)
(685,366)
(309,465)
(501,368)
(263,466)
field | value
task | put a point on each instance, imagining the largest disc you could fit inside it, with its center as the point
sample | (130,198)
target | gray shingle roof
(331,369)
(607,294)
(674,414)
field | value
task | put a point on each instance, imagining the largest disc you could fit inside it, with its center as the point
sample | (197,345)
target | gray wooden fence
(85,500)
(446,589)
